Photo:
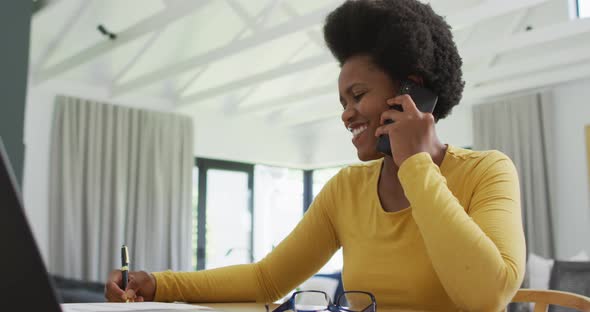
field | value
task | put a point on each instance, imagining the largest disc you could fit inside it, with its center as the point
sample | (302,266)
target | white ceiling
(261,65)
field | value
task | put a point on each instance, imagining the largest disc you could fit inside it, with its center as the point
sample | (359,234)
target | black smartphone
(425,101)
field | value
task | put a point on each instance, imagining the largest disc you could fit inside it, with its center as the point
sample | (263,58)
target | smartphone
(425,101)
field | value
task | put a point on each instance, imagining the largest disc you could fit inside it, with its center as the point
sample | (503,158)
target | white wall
(571,192)
(36,167)
(223,137)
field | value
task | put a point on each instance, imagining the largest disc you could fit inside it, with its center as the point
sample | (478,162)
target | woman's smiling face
(364,90)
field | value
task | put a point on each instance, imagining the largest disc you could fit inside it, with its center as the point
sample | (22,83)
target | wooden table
(259,307)
(239,307)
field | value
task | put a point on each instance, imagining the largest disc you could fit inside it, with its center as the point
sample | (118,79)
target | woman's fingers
(392,115)
(114,293)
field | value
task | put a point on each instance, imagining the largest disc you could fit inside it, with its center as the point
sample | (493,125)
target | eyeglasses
(315,301)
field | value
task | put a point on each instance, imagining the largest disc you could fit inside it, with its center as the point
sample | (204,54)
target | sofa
(69,290)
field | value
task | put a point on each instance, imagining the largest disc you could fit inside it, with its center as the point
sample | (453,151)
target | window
(278,202)
(320,178)
(228,219)
(195,202)
(224,213)
(242,211)
(583,8)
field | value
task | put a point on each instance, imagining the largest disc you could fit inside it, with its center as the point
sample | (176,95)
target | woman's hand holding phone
(412,131)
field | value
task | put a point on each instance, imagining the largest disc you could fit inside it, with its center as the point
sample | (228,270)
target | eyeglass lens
(354,301)
(311,301)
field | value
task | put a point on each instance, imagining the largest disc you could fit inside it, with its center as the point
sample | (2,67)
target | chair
(336,276)
(570,276)
(543,298)
(331,284)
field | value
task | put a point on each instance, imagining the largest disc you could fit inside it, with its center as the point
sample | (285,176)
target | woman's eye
(358,97)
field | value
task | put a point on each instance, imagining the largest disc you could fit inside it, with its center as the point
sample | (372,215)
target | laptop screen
(24,278)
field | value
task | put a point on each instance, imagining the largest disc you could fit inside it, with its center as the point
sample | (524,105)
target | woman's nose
(348,113)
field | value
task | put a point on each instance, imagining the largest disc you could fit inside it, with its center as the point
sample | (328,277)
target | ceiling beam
(541,80)
(266,12)
(140,52)
(149,24)
(313,35)
(531,65)
(526,39)
(192,79)
(244,97)
(510,29)
(243,14)
(504,7)
(255,81)
(170,2)
(518,21)
(260,20)
(255,87)
(230,49)
(61,35)
(276,72)
(487,10)
(550,69)
(283,101)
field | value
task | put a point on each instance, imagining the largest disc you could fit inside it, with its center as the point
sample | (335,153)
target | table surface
(259,307)
(239,307)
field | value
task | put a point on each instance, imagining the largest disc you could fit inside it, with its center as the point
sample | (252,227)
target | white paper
(131,306)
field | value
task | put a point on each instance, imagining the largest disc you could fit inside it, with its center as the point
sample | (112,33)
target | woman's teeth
(359,130)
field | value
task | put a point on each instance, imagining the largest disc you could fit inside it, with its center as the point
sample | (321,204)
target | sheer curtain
(118,176)
(521,127)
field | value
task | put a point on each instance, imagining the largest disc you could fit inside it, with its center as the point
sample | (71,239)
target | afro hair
(403,38)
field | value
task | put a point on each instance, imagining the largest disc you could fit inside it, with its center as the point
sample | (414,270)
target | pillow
(539,269)
(581,257)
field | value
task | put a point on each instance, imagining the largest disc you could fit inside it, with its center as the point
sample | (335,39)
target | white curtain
(521,127)
(119,176)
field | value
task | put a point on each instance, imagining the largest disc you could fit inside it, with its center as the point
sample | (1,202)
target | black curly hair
(402,37)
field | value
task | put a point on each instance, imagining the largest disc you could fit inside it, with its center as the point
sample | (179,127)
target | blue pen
(125,267)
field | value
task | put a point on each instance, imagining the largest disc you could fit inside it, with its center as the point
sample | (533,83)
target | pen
(125,267)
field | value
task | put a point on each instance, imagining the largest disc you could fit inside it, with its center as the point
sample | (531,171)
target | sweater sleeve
(301,254)
(478,253)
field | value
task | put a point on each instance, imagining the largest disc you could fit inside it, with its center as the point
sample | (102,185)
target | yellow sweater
(460,246)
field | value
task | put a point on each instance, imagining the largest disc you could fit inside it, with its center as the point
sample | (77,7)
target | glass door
(225,211)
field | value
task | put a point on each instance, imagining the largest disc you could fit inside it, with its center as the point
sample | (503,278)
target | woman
(434,227)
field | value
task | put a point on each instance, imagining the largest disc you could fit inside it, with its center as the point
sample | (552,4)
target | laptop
(24,280)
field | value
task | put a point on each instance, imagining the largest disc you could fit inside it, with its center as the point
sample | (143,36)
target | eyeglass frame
(332,307)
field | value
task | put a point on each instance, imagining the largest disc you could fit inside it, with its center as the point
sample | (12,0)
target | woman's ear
(417,79)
